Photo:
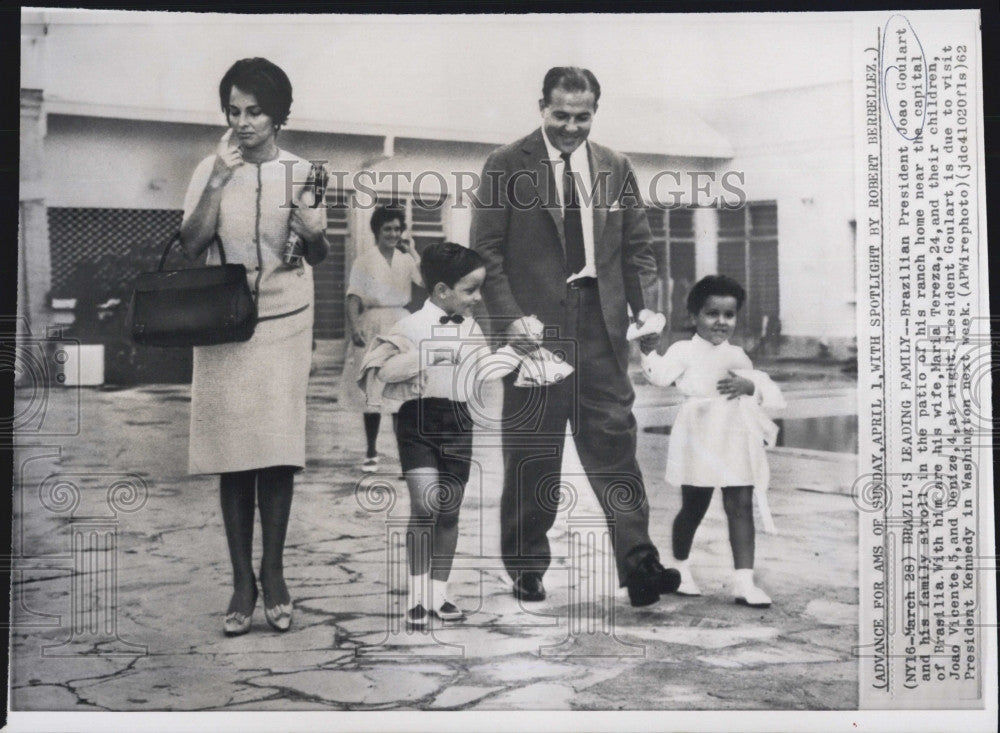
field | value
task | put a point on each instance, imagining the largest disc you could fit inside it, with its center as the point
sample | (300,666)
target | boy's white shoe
(748,594)
(687,587)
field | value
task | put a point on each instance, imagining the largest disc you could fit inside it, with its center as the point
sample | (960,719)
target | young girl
(719,435)
(433,359)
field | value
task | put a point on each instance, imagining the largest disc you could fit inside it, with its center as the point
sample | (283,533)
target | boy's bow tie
(454,318)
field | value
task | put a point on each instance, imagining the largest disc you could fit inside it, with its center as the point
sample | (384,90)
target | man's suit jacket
(517,227)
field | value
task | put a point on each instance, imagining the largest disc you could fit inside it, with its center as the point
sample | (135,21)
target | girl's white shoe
(748,594)
(687,587)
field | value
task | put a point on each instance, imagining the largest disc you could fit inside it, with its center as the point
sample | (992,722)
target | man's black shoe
(668,580)
(648,580)
(528,587)
(642,589)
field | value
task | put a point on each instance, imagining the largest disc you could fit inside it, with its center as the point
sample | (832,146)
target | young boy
(439,353)
(719,435)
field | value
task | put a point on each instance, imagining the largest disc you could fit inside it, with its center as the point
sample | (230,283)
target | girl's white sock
(743,580)
(746,592)
(684,569)
(687,587)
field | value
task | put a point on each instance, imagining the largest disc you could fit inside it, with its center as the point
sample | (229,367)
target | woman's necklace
(251,156)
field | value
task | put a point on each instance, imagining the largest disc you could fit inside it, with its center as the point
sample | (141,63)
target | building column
(706,244)
(33,254)
(35,275)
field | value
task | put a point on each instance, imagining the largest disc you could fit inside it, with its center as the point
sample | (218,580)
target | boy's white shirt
(449,359)
(696,366)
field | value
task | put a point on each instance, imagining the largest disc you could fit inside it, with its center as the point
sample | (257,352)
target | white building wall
(795,147)
(110,163)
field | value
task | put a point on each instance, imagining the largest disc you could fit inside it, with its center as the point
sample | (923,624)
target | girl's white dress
(716,441)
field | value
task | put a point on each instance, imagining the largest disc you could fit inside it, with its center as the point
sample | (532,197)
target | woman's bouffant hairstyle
(384,213)
(265,81)
(447,262)
(714,285)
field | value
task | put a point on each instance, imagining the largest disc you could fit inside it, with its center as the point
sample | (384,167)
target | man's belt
(583,282)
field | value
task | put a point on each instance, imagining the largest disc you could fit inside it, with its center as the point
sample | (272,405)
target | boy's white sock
(417,591)
(439,593)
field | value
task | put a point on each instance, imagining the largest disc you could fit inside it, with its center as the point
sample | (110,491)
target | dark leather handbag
(200,306)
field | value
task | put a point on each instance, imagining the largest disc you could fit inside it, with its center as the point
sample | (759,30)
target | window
(97,253)
(748,253)
(673,246)
(427,221)
(330,276)
(424,217)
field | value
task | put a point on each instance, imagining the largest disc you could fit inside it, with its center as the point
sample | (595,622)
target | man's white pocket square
(540,368)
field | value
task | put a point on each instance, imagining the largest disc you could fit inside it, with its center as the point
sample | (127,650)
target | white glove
(653,323)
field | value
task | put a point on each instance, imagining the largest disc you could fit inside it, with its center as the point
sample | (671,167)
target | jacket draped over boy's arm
(391,367)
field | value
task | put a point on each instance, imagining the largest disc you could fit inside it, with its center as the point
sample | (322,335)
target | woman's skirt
(373,322)
(248,400)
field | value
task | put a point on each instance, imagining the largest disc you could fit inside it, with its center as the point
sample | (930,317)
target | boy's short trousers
(435,433)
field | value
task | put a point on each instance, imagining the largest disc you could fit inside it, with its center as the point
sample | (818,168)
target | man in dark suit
(563,231)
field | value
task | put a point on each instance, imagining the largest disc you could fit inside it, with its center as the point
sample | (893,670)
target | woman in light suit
(248,400)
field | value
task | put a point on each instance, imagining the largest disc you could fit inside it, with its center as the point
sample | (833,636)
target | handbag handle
(177,238)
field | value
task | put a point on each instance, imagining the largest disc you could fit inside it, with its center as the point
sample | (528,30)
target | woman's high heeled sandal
(237,623)
(279,617)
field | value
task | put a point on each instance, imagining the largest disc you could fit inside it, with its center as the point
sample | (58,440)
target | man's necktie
(453,318)
(572,224)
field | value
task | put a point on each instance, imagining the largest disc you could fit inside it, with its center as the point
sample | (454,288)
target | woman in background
(377,294)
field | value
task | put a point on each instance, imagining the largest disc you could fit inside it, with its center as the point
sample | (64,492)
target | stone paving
(121,577)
